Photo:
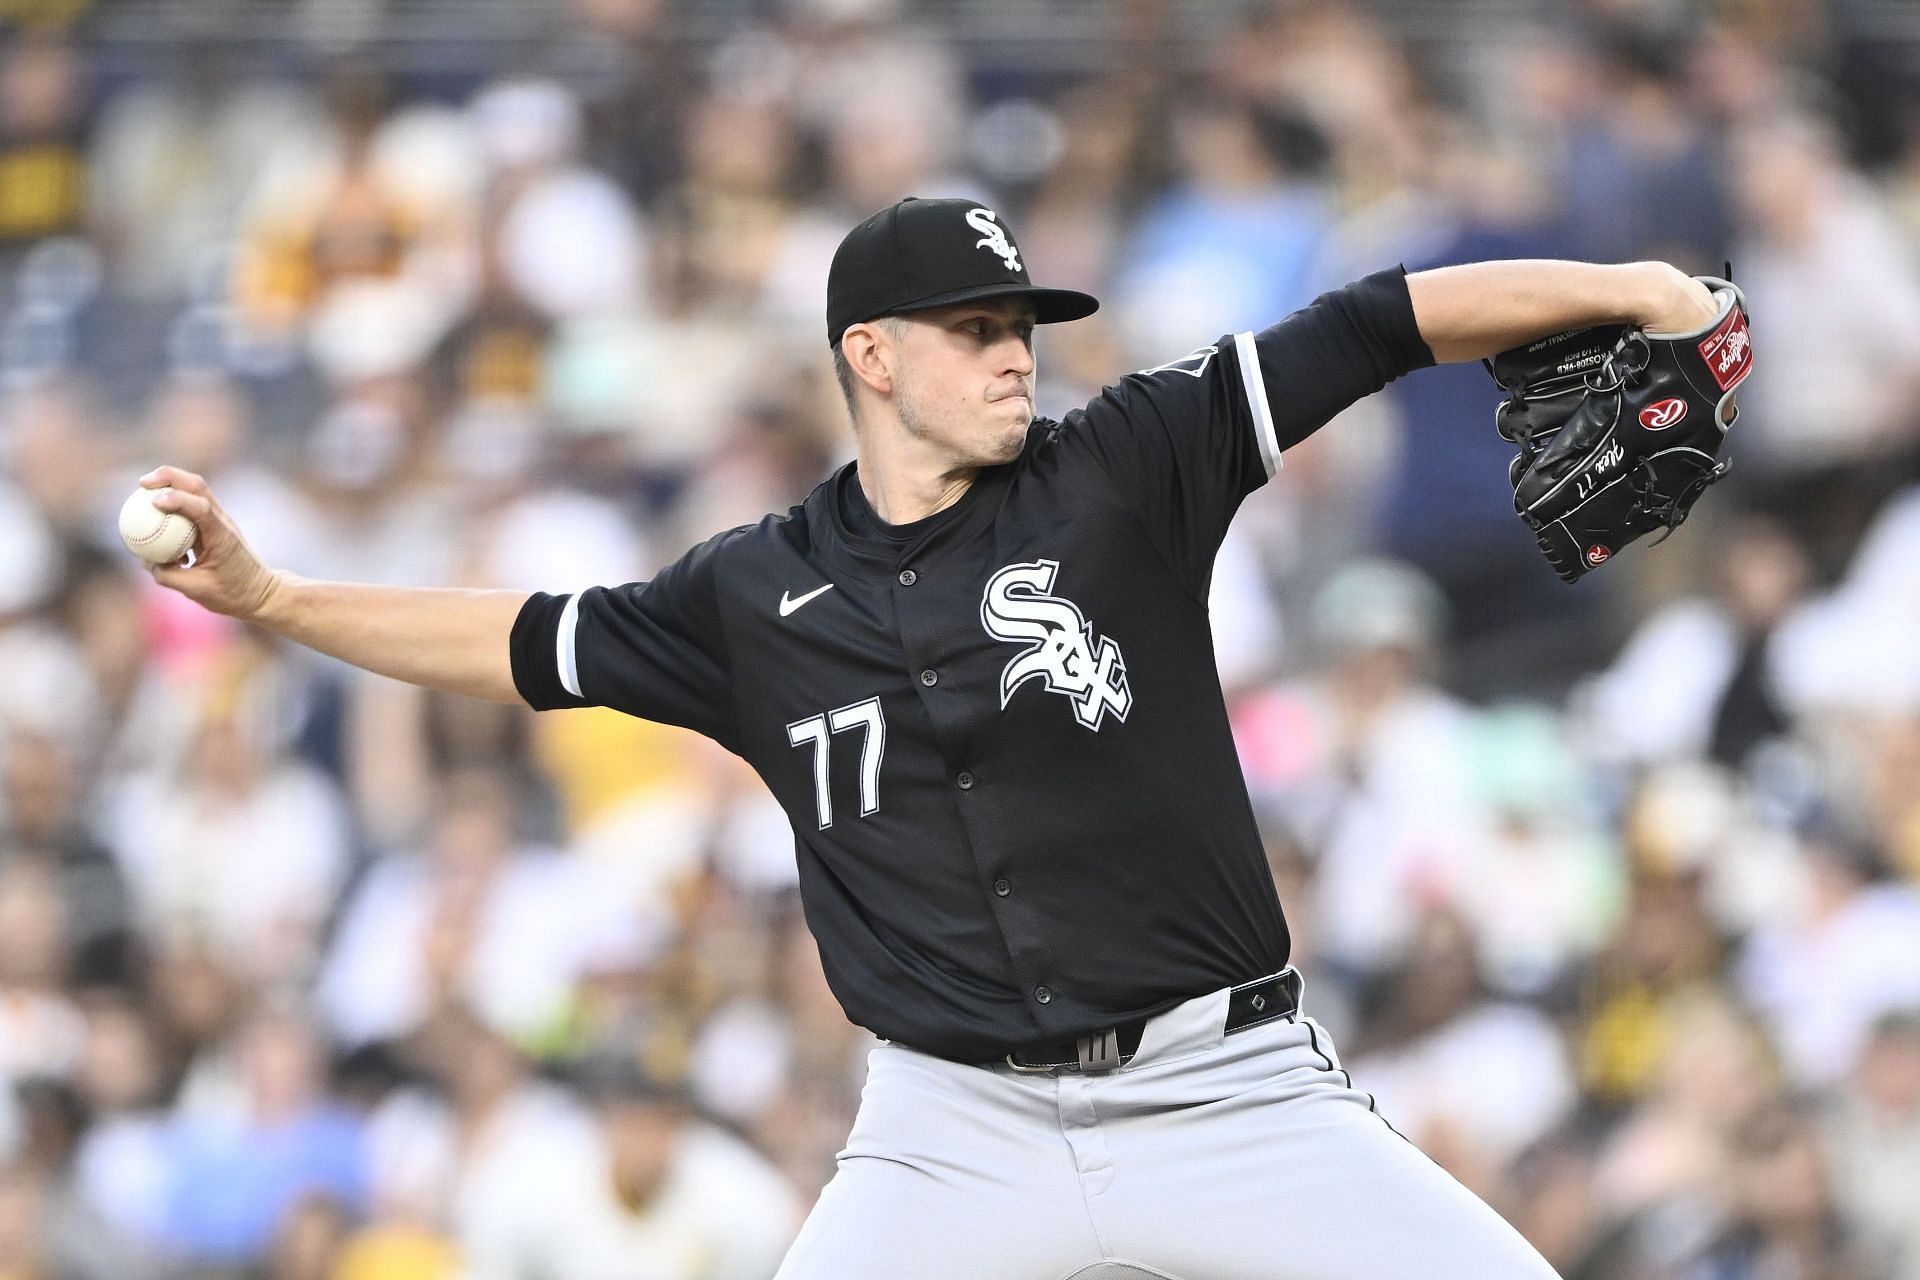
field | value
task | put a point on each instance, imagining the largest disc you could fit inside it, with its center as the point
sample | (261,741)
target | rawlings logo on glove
(1662,414)
(1620,430)
(1728,350)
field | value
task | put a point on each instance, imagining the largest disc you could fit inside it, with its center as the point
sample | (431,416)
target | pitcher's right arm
(442,638)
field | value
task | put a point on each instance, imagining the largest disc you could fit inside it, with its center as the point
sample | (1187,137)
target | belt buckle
(1100,1051)
(1097,1052)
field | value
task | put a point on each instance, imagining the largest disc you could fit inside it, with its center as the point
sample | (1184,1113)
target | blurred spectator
(735,204)
(40,1027)
(1545,884)
(1245,620)
(122,1165)
(1783,1221)
(1874,1136)
(198,1005)
(452,1161)
(781,1060)
(847,53)
(1232,246)
(1473,1081)
(42,139)
(396,1252)
(260,1142)
(478,920)
(738,271)
(1079,216)
(1670,1157)
(1860,653)
(1664,952)
(360,210)
(133,720)
(84,1245)
(1709,677)
(846,47)
(245,848)
(768,456)
(1550,1201)
(653,1184)
(568,239)
(641,79)
(40,1237)
(1081,210)
(1337,64)
(41,825)
(309,1242)
(397,740)
(55,451)
(367,468)
(1822,420)
(173,159)
(1639,164)
(1367,763)
(1854,938)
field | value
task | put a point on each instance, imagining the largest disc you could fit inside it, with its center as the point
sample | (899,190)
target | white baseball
(156,536)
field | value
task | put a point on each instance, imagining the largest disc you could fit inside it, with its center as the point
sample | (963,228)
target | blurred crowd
(1610,894)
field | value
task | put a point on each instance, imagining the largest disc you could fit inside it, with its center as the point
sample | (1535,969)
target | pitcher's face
(965,379)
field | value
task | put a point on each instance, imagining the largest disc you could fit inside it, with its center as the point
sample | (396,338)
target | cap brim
(1050,306)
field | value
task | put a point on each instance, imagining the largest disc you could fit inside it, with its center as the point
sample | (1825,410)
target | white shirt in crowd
(723,1213)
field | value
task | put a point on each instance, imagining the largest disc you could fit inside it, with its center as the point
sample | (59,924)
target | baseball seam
(167,518)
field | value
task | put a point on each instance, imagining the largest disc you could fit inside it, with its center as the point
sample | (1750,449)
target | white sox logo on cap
(993,236)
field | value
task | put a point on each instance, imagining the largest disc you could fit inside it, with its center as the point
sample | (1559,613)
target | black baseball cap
(934,253)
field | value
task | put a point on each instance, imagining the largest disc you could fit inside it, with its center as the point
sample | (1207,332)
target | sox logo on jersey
(1061,651)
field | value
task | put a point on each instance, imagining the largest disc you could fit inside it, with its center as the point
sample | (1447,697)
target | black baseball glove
(1620,430)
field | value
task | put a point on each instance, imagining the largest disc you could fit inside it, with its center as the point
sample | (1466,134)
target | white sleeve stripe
(1257,401)
(563,646)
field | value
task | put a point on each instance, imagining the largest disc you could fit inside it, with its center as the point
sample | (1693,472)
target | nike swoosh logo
(788,606)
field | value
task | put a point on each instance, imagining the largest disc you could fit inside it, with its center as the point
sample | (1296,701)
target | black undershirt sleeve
(1343,346)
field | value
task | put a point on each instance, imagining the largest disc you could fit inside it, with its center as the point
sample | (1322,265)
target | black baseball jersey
(998,732)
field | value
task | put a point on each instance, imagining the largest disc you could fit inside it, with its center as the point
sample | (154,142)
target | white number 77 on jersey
(815,729)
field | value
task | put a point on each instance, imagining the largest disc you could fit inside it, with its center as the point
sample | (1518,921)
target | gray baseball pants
(1207,1157)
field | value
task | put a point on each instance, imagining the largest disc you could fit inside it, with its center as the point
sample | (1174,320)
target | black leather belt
(1248,1005)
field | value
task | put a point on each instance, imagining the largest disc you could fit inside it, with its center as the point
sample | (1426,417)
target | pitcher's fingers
(174,575)
(197,507)
(174,477)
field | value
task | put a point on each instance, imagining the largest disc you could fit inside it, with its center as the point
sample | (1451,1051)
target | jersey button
(908,577)
(929,678)
(1002,888)
(1043,995)
(966,781)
